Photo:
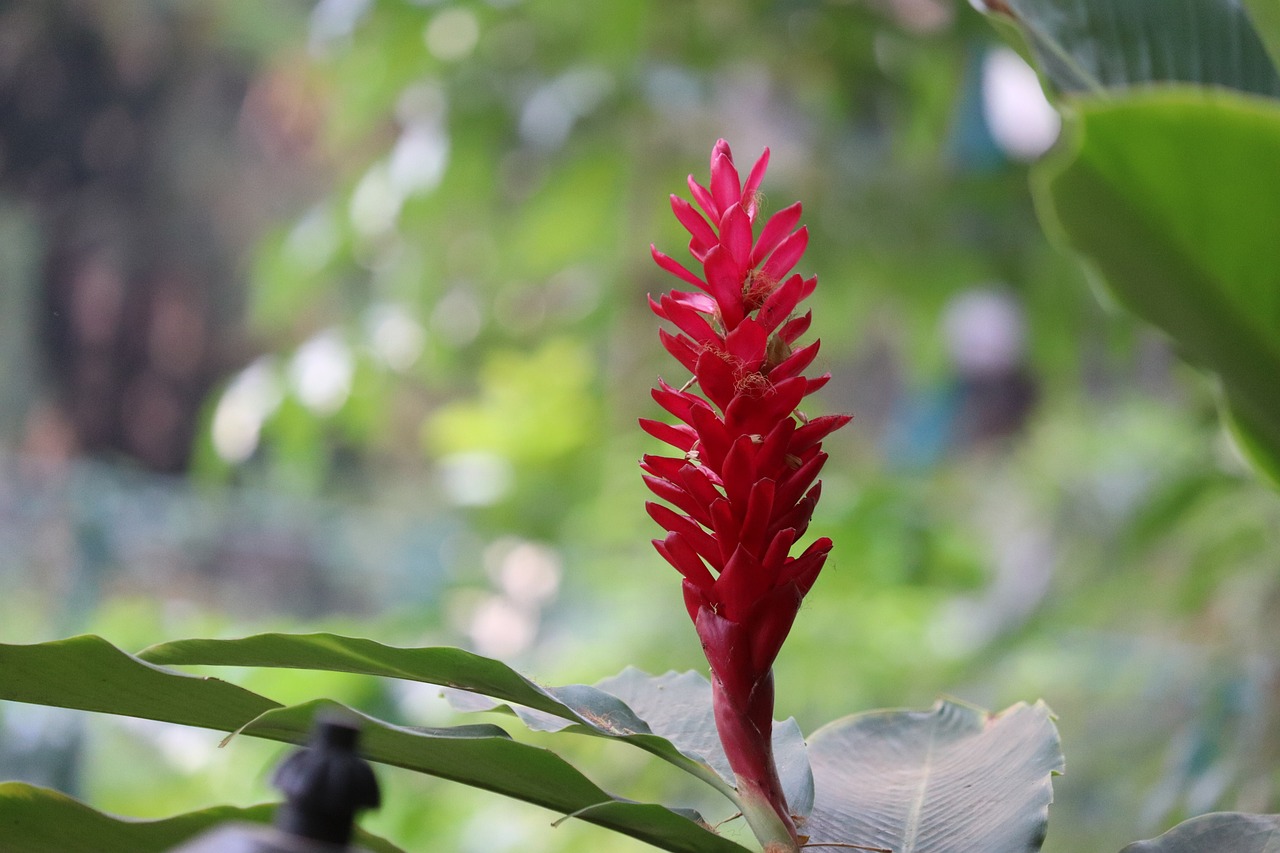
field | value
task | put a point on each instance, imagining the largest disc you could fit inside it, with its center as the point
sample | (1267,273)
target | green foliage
(1159,190)
(38,820)
(535,409)
(1192,253)
(1266,20)
(89,674)
(953,753)
(484,756)
(1145,558)
(1088,47)
(590,710)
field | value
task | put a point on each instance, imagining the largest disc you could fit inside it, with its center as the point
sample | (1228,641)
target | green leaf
(442,665)
(1216,833)
(676,707)
(87,673)
(1173,197)
(39,820)
(1096,45)
(588,709)
(504,766)
(950,780)
(1265,15)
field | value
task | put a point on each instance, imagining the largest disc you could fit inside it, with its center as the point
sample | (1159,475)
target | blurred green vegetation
(423,427)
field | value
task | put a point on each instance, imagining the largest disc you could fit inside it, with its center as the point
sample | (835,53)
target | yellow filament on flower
(756,288)
(753,385)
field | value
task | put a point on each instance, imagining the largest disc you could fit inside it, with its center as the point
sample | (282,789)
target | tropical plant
(1155,184)
(746,482)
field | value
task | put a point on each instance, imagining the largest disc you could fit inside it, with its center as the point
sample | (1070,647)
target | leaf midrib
(911,827)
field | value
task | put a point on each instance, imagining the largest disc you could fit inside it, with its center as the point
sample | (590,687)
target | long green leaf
(441,665)
(89,674)
(676,725)
(38,820)
(1173,198)
(508,767)
(1223,832)
(951,780)
(1099,45)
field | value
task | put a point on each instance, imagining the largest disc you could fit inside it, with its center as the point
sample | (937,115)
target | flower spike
(744,484)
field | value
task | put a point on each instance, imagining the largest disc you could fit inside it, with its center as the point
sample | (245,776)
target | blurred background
(330,314)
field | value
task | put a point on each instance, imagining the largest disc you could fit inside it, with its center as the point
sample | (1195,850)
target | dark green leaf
(88,673)
(504,766)
(951,780)
(1173,197)
(588,709)
(444,665)
(38,820)
(1223,832)
(1094,45)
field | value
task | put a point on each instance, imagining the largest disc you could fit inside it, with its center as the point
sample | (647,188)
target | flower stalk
(744,486)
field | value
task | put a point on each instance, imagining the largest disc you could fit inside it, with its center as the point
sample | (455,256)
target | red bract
(745,483)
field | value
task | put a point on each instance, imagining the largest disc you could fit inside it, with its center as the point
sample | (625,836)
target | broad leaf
(89,674)
(1224,832)
(950,780)
(1096,45)
(1173,197)
(38,820)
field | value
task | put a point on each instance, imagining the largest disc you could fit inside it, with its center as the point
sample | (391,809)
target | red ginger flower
(746,484)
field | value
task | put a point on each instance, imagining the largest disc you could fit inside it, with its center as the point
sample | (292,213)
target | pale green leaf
(1223,832)
(951,780)
(678,707)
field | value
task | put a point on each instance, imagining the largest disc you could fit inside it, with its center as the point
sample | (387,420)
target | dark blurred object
(121,136)
(990,394)
(325,784)
(986,339)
